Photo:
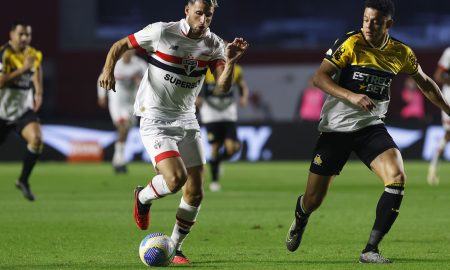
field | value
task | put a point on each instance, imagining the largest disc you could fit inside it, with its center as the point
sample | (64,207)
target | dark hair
(211,3)
(386,7)
(17,23)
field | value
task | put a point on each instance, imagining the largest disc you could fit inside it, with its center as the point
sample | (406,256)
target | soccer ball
(157,249)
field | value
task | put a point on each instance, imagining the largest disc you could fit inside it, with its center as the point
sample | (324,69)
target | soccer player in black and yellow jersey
(357,73)
(21,97)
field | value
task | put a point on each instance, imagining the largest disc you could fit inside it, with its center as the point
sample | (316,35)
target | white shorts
(165,139)
(121,108)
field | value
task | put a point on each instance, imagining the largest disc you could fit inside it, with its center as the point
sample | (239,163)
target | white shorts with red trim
(120,109)
(165,139)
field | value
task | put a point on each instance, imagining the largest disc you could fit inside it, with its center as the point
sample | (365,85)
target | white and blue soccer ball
(157,249)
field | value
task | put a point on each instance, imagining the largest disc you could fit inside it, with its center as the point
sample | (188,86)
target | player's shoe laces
(295,233)
(141,211)
(26,191)
(373,256)
(432,179)
(179,258)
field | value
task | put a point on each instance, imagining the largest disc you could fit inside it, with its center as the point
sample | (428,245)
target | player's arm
(38,88)
(223,74)
(107,80)
(431,90)
(6,78)
(441,76)
(243,92)
(323,78)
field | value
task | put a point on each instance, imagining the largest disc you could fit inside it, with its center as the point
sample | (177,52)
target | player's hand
(234,50)
(107,81)
(37,102)
(362,101)
(28,63)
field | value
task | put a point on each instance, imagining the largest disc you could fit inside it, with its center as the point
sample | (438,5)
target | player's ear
(186,10)
(389,23)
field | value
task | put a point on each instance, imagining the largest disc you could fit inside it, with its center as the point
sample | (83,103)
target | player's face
(199,17)
(375,26)
(20,37)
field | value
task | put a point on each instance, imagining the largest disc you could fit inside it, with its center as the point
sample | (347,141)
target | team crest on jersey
(318,160)
(189,64)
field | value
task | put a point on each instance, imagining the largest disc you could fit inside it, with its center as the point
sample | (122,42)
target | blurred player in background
(441,75)
(219,114)
(127,74)
(179,54)
(364,62)
(21,97)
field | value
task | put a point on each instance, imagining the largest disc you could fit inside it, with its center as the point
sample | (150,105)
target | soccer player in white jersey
(128,74)
(179,54)
(21,97)
(442,76)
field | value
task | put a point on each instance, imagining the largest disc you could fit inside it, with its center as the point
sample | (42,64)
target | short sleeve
(218,55)
(340,54)
(444,61)
(147,39)
(410,66)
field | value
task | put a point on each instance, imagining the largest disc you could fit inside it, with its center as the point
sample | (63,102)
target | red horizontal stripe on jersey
(214,64)
(178,60)
(135,44)
(167,154)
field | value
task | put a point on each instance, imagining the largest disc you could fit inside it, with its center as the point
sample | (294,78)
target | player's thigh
(191,149)
(389,166)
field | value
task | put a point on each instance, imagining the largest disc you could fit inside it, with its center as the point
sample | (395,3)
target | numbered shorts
(334,148)
(165,139)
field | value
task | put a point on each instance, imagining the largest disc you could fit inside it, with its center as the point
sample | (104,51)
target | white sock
(437,153)
(118,158)
(186,216)
(156,189)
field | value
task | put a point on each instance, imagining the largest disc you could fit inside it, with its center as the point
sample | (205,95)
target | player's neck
(380,43)
(17,48)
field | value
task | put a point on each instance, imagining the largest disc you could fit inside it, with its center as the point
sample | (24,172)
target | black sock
(28,164)
(214,163)
(300,213)
(387,212)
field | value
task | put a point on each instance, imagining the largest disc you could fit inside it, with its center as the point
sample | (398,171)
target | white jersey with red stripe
(444,64)
(176,70)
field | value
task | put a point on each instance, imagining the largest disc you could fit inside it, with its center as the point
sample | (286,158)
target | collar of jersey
(185,29)
(382,46)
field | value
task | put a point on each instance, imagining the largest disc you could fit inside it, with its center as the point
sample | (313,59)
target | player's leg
(378,151)
(160,141)
(32,134)
(215,139)
(432,177)
(316,190)
(118,161)
(187,210)
(330,155)
(193,157)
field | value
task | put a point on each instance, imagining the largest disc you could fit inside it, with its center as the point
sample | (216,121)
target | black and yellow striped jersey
(364,69)
(16,97)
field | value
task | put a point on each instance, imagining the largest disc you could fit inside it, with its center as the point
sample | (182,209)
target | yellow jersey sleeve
(341,53)
(410,66)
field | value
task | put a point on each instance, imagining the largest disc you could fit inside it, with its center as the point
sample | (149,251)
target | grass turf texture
(82,219)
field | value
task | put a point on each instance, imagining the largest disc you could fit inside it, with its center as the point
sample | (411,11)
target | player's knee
(35,143)
(399,177)
(176,180)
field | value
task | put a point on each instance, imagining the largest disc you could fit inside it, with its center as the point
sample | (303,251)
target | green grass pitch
(83,219)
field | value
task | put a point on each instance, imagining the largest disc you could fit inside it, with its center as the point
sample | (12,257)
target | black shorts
(18,125)
(334,148)
(219,131)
